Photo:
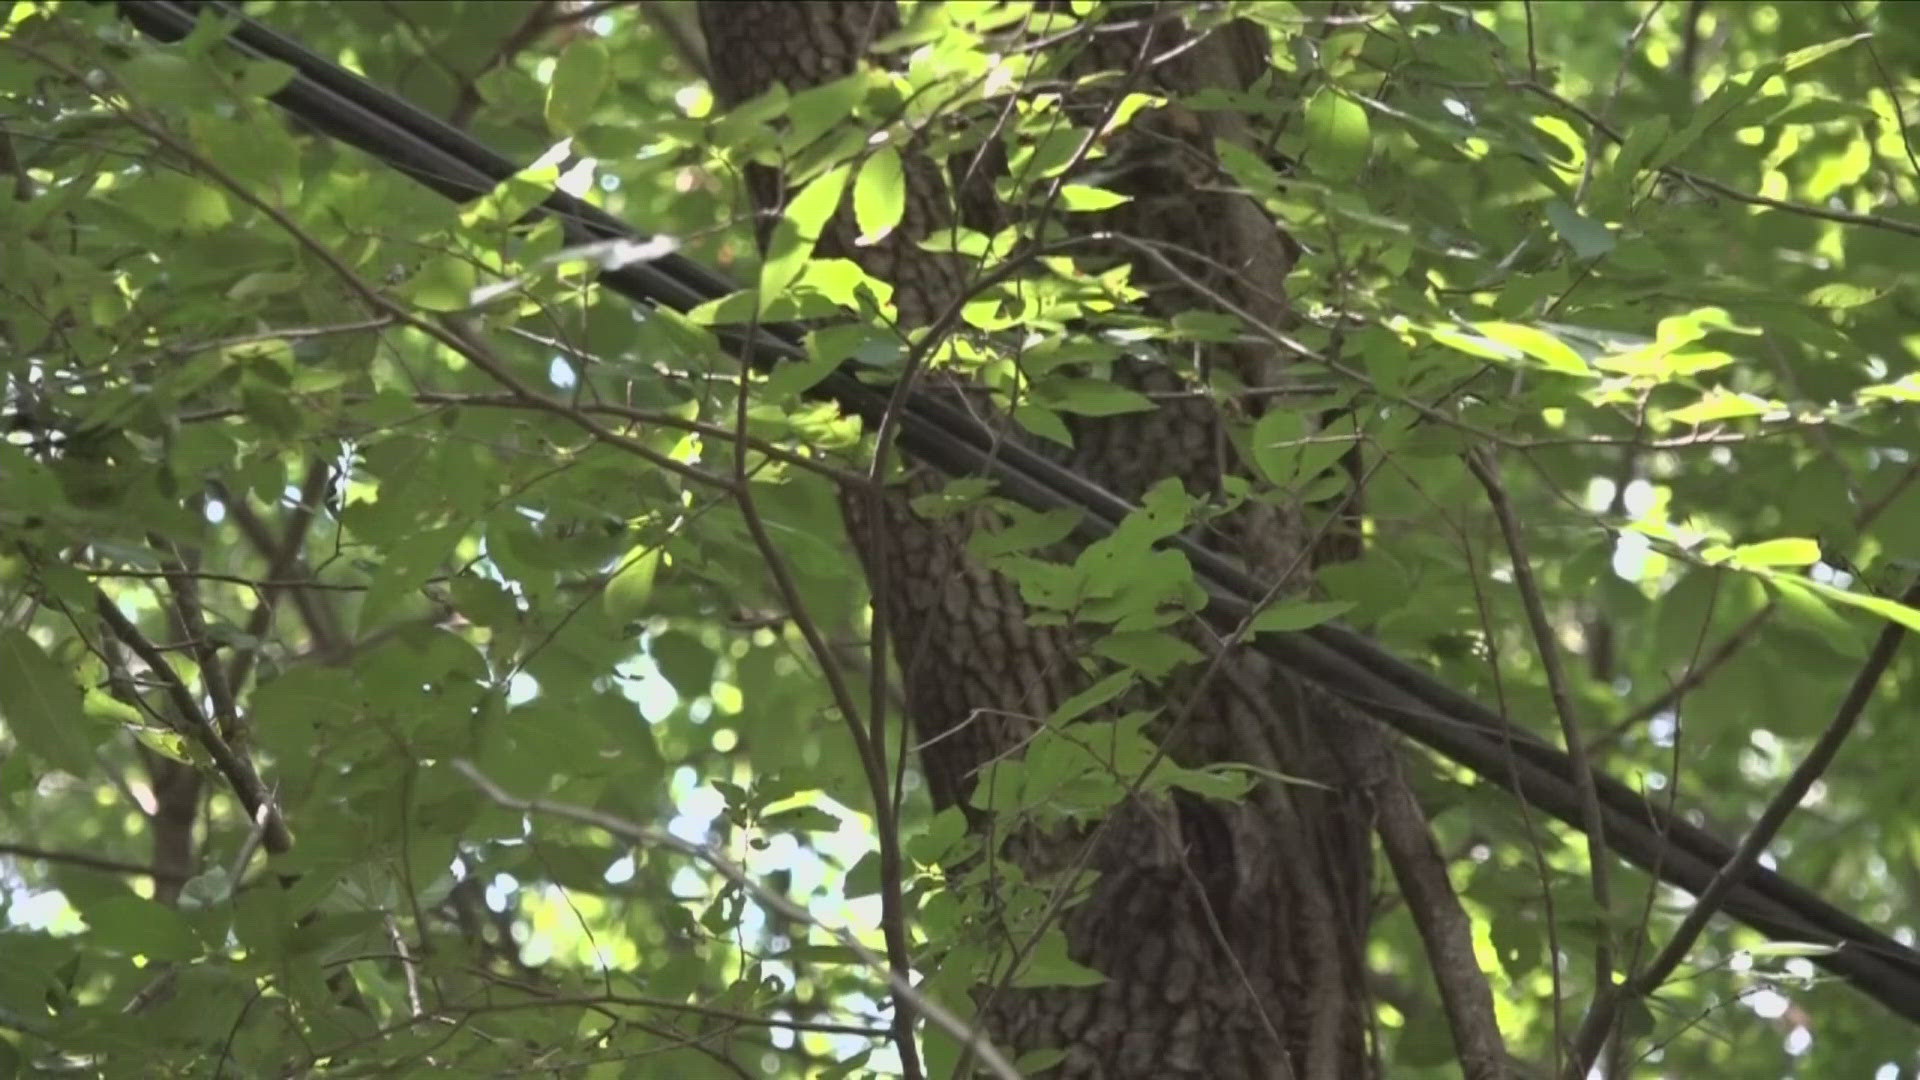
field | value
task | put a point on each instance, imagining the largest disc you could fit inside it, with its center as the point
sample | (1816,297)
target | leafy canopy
(1657,259)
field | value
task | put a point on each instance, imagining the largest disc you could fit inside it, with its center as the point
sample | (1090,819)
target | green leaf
(1338,136)
(1091,397)
(133,926)
(42,705)
(443,283)
(1300,615)
(1048,965)
(629,592)
(1471,344)
(580,77)
(1035,1062)
(1800,58)
(406,567)
(266,283)
(818,109)
(1049,154)
(800,819)
(791,378)
(1588,238)
(511,198)
(1216,782)
(1149,653)
(1841,295)
(1277,441)
(1028,529)
(1092,698)
(1042,422)
(1642,142)
(1790,949)
(880,195)
(685,660)
(1808,606)
(1247,168)
(173,202)
(262,78)
(798,231)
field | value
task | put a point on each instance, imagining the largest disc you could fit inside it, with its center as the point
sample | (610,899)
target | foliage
(1654,259)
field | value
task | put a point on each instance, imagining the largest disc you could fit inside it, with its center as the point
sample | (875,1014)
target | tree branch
(1445,928)
(91,862)
(1561,691)
(283,561)
(236,769)
(1599,1022)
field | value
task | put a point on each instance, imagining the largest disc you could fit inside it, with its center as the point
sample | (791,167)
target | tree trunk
(1231,935)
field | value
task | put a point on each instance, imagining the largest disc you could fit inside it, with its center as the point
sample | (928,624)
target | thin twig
(868,742)
(236,769)
(187,608)
(1529,827)
(1844,217)
(1561,692)
(1691,679)
(90,862)
(641,836)
(1606,1007)
(282,559)
(460,334)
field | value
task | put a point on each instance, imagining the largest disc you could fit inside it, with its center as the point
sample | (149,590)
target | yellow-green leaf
(445,283)
(799,230)
(1484,348)
(1538,344)
(1891,610)
(880,195)
(1720,405)
(1788,551)
(1079,198)
(1338,136)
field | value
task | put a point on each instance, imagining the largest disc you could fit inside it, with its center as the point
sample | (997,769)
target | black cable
(1391,690)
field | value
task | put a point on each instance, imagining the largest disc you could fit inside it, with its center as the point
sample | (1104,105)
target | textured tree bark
(1231,935)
